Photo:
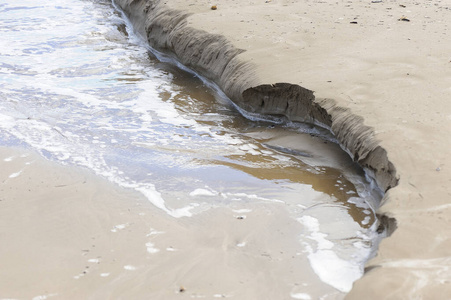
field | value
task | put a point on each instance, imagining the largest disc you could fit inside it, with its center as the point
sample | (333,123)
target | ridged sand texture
(216,59)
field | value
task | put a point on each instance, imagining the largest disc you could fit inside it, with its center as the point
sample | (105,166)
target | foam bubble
(129,267)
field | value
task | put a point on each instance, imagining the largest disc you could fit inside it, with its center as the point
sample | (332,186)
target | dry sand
(387,61)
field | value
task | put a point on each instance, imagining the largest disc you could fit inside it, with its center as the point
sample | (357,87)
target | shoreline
(218,60)
(262,55)
(93,239)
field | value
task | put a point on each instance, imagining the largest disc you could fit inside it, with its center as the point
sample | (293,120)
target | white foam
(241,196)
(366,220)
(151,249)
(14,175)
(116,228)
(203,192)
(333,270)
(250,148)
(155,198)
(43,297)
(329,267)
(242,211)
(301,296)
(154,232)
(129,267)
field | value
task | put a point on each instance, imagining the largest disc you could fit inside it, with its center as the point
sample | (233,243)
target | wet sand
(265,224)
(68,234)
(388,62)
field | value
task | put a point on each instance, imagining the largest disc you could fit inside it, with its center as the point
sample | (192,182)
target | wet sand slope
(381,72)
(68,234)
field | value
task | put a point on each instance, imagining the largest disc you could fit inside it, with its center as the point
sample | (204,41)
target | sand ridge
(385,61)
(215,58)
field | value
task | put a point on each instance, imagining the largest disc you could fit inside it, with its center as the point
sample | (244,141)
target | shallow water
(78,87)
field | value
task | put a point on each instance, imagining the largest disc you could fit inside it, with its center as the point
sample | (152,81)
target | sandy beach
(386,61)
(378,73)
(94,240)
(129,178)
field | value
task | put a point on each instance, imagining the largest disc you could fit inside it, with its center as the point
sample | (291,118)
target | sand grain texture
(69,234)
(381,76)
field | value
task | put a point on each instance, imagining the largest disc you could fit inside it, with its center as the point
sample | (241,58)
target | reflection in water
(287,155)
(80,88)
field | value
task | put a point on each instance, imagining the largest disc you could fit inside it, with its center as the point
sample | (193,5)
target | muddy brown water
(79,88)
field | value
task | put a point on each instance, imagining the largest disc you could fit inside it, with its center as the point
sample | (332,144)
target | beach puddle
(248,209)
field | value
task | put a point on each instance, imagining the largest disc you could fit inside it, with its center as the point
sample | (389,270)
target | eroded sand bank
(381,72)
